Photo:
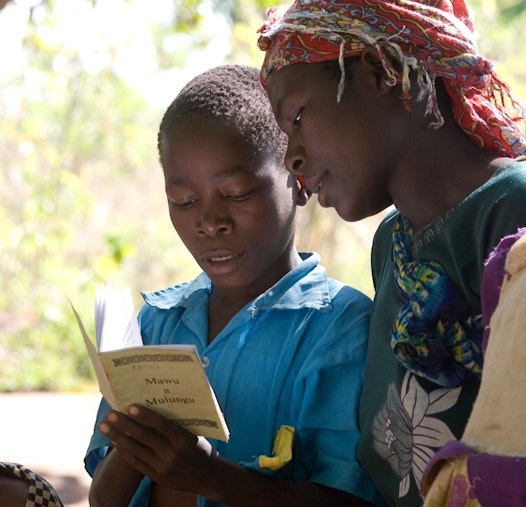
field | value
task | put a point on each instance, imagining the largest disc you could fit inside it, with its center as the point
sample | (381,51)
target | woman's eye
(297,119)
(239,197)
(181,204)
(239,194)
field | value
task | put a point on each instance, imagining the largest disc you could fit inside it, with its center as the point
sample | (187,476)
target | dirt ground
(49,433)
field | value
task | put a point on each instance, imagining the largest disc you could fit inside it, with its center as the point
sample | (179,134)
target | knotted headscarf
(435,38)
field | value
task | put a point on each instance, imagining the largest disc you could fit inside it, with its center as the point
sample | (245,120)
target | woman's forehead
(297,79)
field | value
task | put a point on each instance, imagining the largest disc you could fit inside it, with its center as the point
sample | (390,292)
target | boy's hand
(176,459)
(159,448)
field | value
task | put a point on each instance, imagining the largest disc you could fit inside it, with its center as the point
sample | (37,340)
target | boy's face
(344,150)
(233,209)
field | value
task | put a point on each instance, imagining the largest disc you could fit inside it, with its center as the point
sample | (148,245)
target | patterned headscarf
(435,38)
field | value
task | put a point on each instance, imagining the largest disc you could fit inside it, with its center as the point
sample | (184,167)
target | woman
(391,103)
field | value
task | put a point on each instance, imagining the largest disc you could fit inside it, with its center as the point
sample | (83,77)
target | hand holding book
(169,379)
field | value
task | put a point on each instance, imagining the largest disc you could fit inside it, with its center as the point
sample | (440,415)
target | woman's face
(345,150)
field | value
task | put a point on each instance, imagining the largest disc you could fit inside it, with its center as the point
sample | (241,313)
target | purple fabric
(495,480)
(453,449)
(493,277)
(498,480)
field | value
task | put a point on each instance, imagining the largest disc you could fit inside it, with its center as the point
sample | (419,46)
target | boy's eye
(297,119)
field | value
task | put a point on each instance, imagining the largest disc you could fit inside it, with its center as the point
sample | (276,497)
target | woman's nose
(295,160)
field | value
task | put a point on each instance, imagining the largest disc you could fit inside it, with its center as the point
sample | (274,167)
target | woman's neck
(442,169)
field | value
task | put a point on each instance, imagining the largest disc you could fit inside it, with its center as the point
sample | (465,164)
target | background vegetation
(83,84)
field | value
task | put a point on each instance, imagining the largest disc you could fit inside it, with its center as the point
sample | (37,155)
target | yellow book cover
(169,379)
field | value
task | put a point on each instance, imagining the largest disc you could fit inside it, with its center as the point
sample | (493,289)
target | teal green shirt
(405,419)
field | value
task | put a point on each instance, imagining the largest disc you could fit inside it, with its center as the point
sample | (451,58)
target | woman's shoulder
(474,226)
(501,199)
(509,179)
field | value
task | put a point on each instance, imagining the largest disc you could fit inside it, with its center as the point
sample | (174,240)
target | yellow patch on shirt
(282,452)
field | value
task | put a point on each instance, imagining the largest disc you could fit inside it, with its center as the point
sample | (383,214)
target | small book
(169,379)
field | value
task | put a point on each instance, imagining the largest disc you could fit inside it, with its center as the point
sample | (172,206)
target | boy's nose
(212,223)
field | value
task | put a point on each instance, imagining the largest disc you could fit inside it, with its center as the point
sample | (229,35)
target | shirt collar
(305,286)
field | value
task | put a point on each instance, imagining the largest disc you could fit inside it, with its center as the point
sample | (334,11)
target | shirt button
(205,362)
(271,293)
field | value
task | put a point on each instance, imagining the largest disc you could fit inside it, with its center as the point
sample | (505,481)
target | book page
(116,325)
(169,379)
(100,373)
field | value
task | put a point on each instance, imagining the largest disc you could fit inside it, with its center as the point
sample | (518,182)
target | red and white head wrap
(434,38)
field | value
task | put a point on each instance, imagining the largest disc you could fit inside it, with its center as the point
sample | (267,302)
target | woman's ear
(373,63)
(302,192)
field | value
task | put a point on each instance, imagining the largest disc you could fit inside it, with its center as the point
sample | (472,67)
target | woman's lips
(321,191)
(314,185)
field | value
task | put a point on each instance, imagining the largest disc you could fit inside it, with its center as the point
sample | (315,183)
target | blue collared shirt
(293,356)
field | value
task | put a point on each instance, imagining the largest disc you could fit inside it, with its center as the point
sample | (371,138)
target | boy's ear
(302,192)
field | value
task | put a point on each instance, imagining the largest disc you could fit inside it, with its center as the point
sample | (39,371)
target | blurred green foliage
(81,191)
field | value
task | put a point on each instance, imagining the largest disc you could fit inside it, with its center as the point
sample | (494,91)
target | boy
(283,344)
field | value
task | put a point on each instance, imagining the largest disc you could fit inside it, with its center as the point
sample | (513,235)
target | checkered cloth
(40,492)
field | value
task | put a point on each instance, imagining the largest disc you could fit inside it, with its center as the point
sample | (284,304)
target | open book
(169,379)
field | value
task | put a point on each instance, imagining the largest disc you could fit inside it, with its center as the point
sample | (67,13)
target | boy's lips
(222,258)
(221,261)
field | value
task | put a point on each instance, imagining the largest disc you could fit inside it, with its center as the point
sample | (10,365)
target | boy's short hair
(233,95)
